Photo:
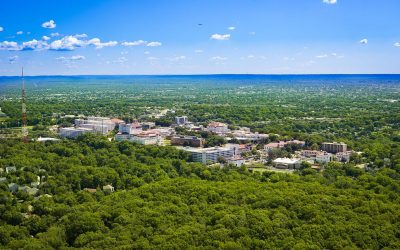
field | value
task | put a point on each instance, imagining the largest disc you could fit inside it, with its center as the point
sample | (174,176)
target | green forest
(163,201)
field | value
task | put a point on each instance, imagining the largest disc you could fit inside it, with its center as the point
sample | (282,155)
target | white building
(286,163)
(99,124)
(181,120)
(130,128)
(218,128)
(245,135)
(236,161)
(149,137)
(206,155)
(323,157)
(343,156)
(74,132)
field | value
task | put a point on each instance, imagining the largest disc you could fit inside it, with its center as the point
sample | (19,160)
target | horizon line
(205,74)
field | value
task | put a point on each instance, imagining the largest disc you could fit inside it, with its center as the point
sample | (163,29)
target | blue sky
(165,37)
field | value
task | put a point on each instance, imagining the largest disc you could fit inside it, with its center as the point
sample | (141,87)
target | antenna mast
(24,128)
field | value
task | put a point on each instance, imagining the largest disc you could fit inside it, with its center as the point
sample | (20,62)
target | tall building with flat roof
(334,147)
(181,120)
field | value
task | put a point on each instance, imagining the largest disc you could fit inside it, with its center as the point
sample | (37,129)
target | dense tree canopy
(163,201)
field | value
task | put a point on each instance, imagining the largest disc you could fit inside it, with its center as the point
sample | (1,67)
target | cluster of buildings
(100,125)
(28,188)
(330,151)
(281,144)
(147,133)
(143,133)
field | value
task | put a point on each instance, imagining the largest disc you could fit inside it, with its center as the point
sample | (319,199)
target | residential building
(334,147)
(13,187)
(343,156)
(108,188)
(11,170)
(191,141)
(274,145)
(218,127)
(236,161)
(323,157)
(181,120)
(317,156)
(286,163)
(209,155)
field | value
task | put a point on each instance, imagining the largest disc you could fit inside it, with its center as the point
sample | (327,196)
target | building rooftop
(286,160)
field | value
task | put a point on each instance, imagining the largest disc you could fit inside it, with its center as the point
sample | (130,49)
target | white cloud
(397,44)
(198,51)
(98,44)
(322,56)
(55,34)
(152,58)
(6,45)
(34,45)
(70,60)
(45,38)
(154,44)
(67,43)
(49,24)
(134,43)
(20,32)
(78,57)
(364,41)
(147,52)
(252,33)
(13,59)
(1,29)
(231,28)
(218,58)
(330,1)
(220,37)
(251,56)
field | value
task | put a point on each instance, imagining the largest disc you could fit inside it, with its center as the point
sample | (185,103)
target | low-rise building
(13,187)
(317,156)
(343,156)
(149,137)
(246,135)
(209,155)
(236,161)
(275,145)
(11,170)
(286,163)
(218,127)
(108,188)
(72,132)
(191,141)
